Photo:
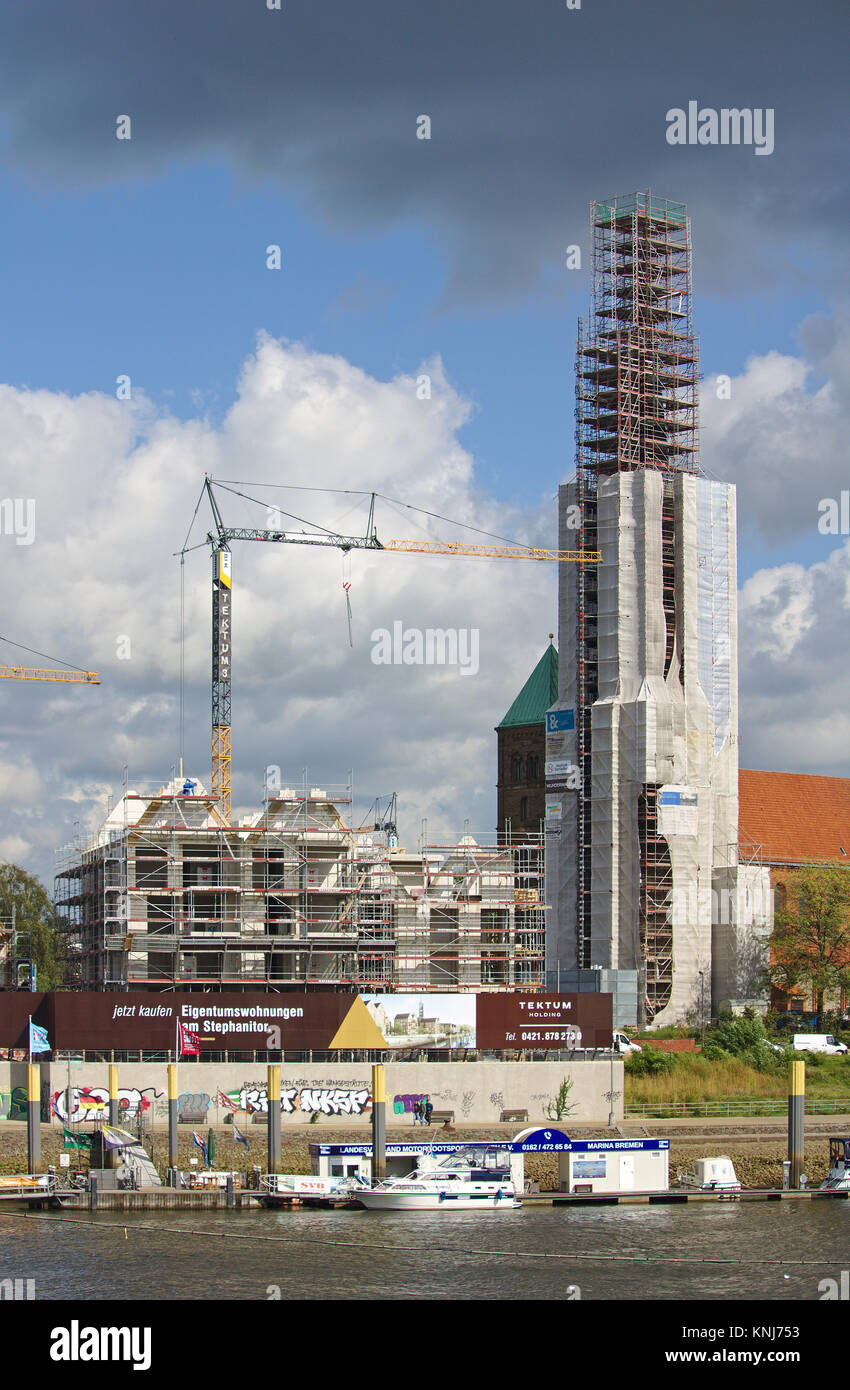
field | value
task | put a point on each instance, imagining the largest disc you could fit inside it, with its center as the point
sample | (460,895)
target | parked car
(817,1042)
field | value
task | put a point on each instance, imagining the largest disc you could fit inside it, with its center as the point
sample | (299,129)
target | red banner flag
(190,1043)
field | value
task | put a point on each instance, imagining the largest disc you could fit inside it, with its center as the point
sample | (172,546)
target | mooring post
(33,1116)
(379,1125)
(796,1120)
(231,1191)
(172,1115)
(113,1094)
(92,1194)
(273,1093)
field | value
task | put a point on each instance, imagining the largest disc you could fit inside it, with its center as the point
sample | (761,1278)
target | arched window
(517,769)
(523,808)
(533,768)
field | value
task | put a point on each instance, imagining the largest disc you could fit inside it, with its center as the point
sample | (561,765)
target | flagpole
(29,1039)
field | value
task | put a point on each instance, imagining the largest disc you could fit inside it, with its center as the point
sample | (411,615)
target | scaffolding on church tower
(636,407)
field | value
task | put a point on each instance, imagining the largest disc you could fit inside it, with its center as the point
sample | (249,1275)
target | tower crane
(220,540)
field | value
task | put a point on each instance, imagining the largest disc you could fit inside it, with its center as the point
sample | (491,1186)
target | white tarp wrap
(677,733)
(714,639)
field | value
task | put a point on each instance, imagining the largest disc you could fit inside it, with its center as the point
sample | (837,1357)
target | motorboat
(463,1181)
(838,1177)
(711,1175)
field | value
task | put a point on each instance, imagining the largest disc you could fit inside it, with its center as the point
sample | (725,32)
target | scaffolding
(636,389)
(166,897)
(7,955)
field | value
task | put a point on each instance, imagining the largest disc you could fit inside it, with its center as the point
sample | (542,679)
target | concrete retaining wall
(477,1092)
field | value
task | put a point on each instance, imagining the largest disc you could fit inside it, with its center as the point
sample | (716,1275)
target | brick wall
(527,743)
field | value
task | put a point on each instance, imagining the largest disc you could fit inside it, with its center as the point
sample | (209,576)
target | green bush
(650,1062)
(738,1035)
(763,1058)
(713,1052)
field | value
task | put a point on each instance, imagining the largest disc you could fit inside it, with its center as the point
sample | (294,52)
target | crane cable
(44,655)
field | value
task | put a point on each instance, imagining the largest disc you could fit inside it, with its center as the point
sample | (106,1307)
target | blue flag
(201,1144)
(240,1137)
(38,1038)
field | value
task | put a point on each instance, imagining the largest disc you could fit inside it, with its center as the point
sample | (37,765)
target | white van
(624,1044)
(817,1042)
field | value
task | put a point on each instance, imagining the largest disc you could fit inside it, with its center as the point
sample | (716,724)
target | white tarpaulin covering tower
(643,879)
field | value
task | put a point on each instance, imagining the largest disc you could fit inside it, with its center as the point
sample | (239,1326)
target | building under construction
(168,896)
(643,878)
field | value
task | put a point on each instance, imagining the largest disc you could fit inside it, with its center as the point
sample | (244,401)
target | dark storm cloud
(536,108)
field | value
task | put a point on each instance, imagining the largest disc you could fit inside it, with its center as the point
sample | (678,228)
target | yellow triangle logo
(358,1029)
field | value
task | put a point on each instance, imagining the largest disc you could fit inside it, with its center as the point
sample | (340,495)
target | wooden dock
(157,1199)
(675,1197)
(26,1194)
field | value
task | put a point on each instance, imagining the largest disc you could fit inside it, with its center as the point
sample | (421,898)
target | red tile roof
(794,816)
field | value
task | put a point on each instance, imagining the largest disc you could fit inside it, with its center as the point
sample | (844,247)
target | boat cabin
(484,1161)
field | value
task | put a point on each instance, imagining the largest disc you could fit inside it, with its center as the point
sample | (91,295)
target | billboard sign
(545,1020)
(324,1021)
(148,1021)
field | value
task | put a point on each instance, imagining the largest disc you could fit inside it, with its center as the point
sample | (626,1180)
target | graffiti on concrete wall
(92,1102)
(324,1100)
(192,1106)
(403,1105)
(18,1103)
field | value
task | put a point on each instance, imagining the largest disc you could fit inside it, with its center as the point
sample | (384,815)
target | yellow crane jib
(495,552)
(31,673)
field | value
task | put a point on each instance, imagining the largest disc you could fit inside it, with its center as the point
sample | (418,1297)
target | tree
(35,921)
(810,945)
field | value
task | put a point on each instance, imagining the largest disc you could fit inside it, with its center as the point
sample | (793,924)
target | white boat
(464,1181)
(838,1177)
(711,1175)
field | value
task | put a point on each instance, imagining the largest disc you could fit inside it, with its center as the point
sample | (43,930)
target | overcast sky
(146,258)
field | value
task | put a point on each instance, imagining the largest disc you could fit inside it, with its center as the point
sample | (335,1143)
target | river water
(535,1253)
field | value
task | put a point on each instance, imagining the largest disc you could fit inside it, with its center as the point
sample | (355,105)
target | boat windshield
(478,1159)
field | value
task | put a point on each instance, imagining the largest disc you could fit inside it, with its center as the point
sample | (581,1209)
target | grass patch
(692,1078)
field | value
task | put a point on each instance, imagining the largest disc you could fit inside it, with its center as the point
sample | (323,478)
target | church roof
(539,692)
(794,816)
